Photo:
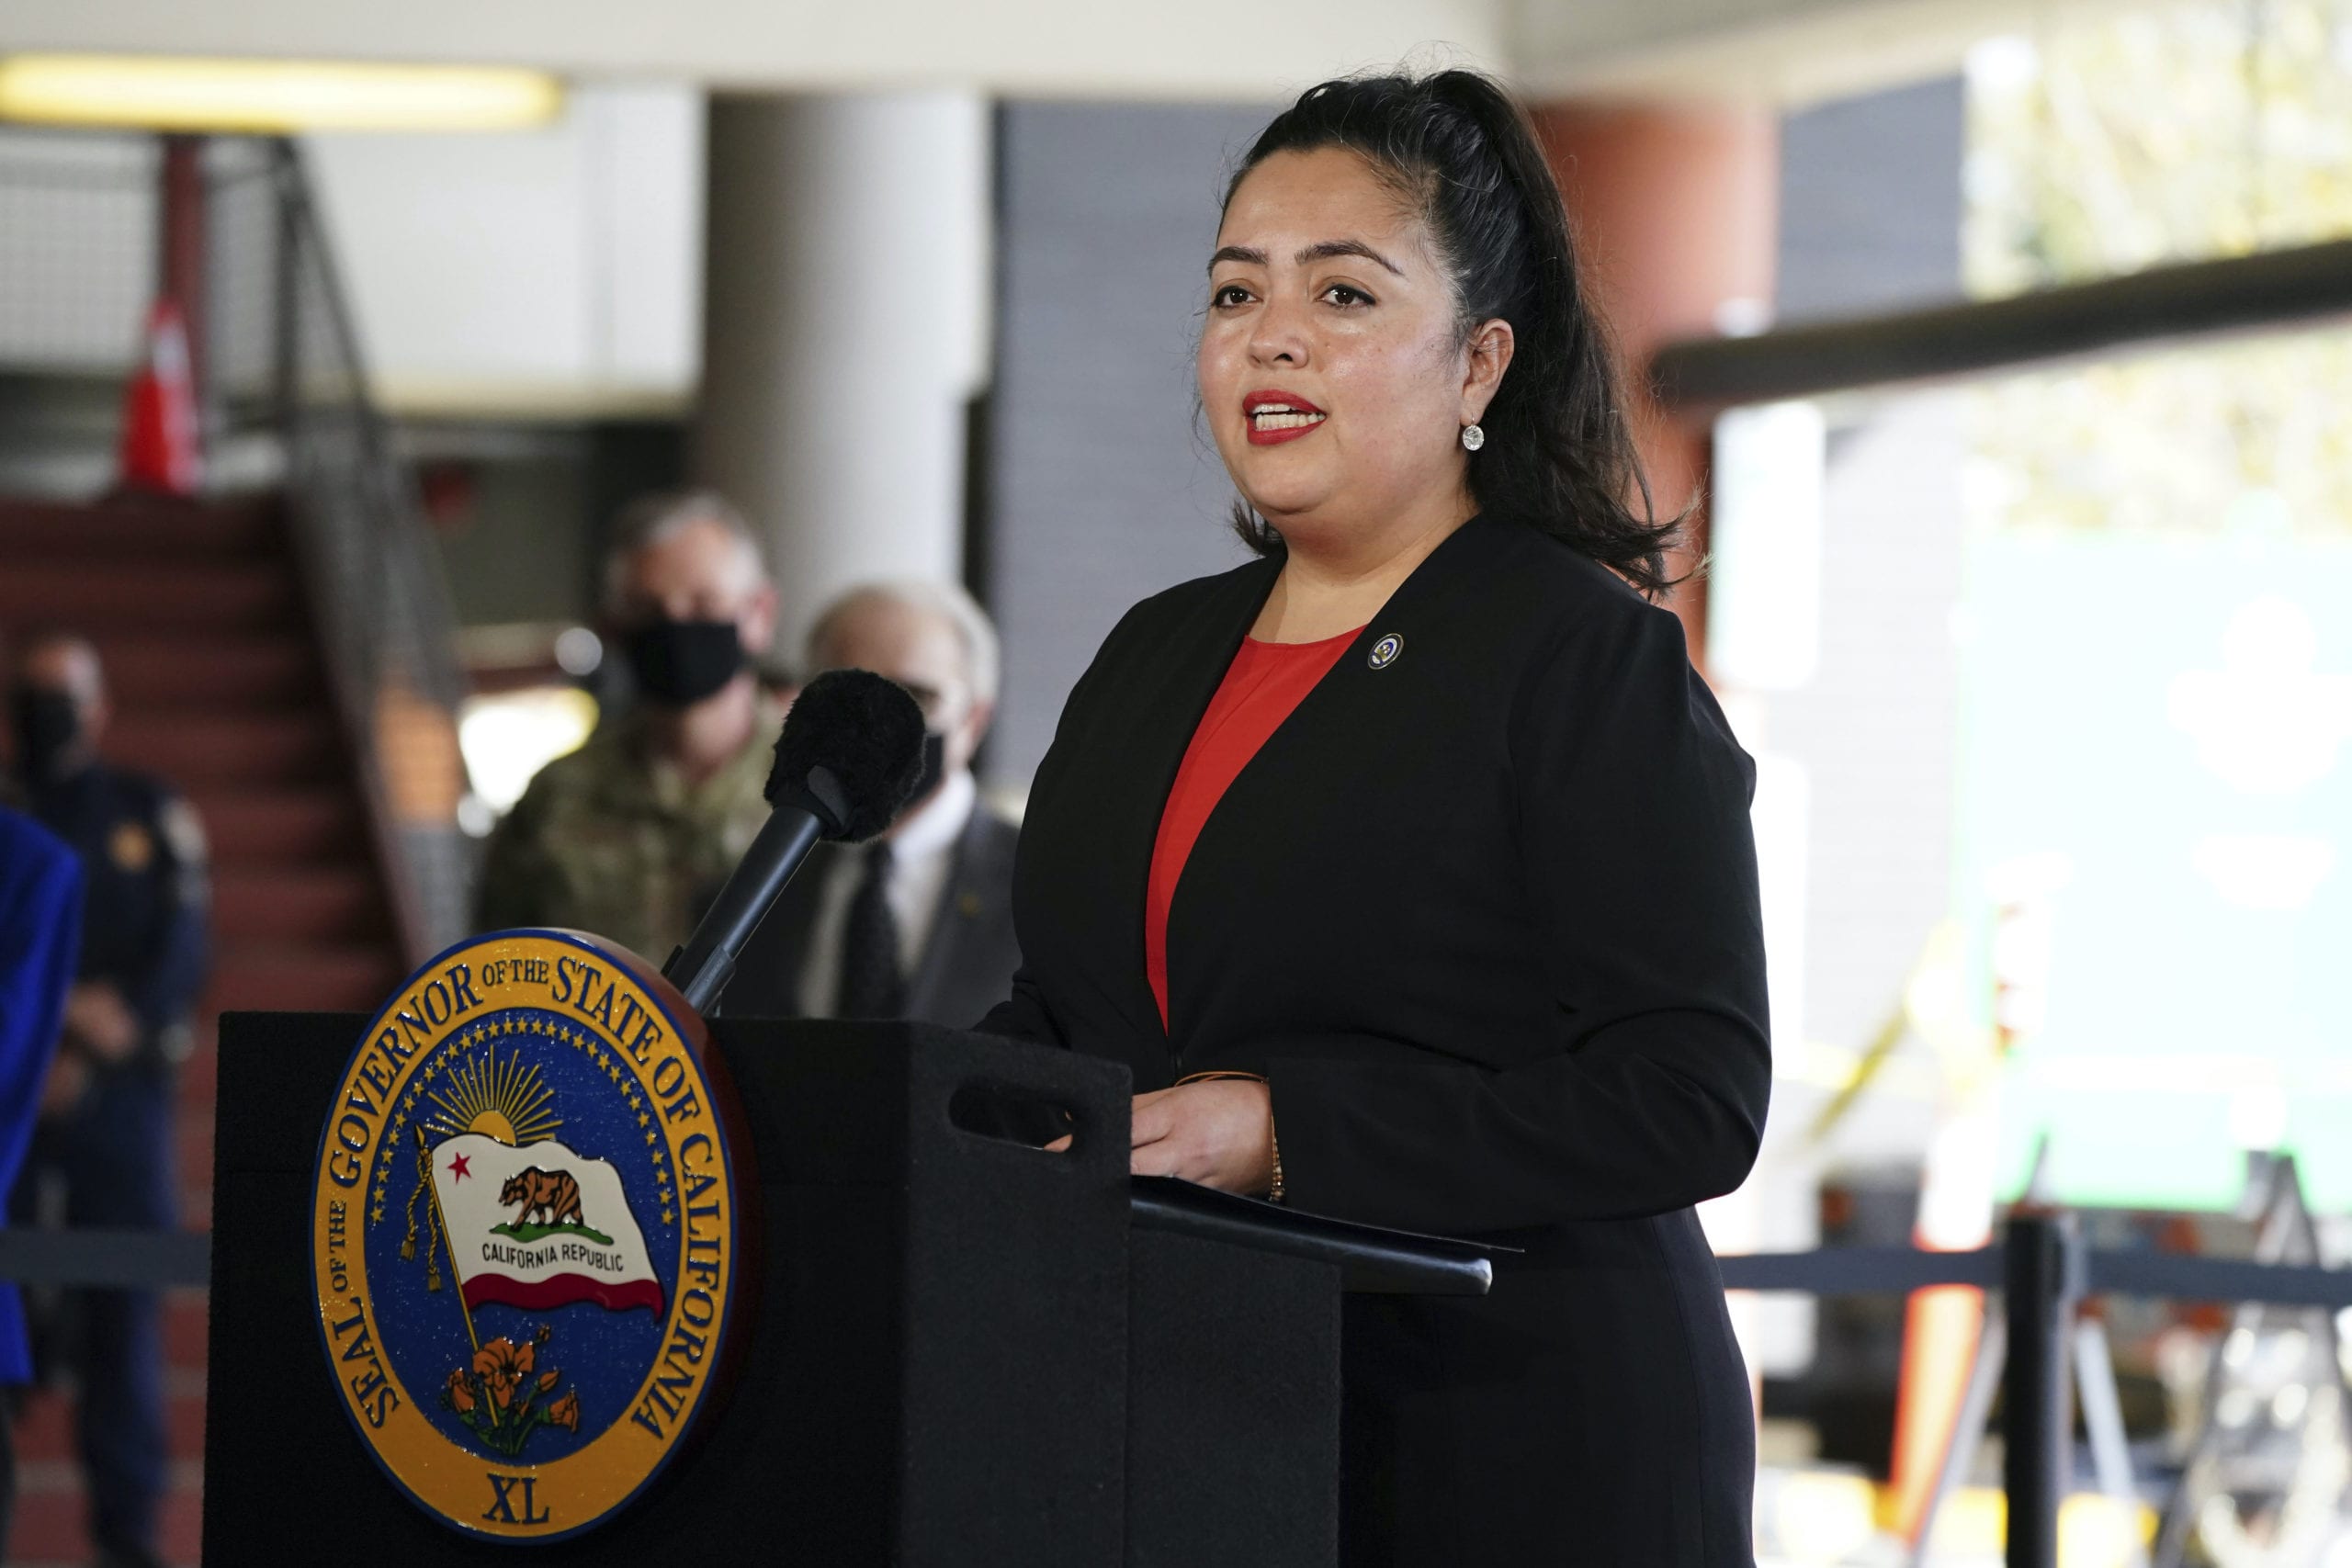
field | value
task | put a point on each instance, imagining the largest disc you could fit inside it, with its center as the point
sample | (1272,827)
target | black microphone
(845,766)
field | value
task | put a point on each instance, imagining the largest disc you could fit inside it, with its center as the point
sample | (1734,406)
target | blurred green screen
(2154,857)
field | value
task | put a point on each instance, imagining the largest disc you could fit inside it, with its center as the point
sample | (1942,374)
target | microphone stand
(702,967)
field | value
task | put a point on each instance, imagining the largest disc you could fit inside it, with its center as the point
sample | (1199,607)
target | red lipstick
(1272,416)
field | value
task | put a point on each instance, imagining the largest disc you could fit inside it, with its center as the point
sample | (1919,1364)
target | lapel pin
(1385,652)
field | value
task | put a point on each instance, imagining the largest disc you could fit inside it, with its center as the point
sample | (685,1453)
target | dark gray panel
(1869,202)
(526,546)
(1102,491)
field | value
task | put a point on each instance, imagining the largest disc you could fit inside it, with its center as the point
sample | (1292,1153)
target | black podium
(965,1351)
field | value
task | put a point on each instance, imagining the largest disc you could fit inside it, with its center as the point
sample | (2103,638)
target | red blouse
(1265,681)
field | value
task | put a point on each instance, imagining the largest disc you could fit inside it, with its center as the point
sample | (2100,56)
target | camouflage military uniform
(613,841)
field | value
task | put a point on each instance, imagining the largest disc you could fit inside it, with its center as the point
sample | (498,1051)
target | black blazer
(1484,912)
(963,961)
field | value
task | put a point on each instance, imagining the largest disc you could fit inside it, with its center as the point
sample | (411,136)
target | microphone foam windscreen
(868,731)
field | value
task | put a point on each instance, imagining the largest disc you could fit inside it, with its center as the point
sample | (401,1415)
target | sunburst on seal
(506,1100)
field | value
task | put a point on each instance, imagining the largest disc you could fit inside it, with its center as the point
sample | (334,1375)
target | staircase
(219,687)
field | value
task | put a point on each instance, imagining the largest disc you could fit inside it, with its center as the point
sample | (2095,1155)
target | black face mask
(47,726)
(678,663)
(935,764)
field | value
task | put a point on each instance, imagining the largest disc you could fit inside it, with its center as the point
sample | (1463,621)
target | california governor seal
(525,1234)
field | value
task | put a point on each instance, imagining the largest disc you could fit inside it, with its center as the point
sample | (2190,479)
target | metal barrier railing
(2042,1270)
(1890,1270)
(103,1257)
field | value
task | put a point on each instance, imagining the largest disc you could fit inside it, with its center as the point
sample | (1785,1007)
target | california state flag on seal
(539,1226)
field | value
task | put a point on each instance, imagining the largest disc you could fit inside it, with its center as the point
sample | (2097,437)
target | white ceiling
(1786,51)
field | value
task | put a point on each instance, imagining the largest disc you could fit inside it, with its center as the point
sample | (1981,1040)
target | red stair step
(145,671)
(111,531)
(45,1427)
(192,1151)
(44,1430)
(299,903)
(180,1532)
(187,1314)
(134,595)
(52,1507)
(353,978)
(241,749)
(200,1074)
(279,826)
(50,1525)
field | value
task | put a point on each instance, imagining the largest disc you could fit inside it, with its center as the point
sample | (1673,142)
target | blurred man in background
(40,935)
(106,1133)
(631,836)
(918,923)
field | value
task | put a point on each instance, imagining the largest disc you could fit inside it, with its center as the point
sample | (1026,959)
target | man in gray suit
(919,923)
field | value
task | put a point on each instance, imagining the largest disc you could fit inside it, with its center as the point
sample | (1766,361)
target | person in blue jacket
(107,1140)
(41,936)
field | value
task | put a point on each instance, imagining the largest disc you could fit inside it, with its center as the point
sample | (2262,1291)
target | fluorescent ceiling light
(162,93)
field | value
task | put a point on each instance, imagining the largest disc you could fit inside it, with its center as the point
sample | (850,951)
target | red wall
(1675,210)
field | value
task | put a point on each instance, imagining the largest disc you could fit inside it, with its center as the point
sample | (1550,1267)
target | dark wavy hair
(1559,453)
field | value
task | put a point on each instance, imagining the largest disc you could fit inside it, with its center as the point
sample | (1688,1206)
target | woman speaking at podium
(1408,865)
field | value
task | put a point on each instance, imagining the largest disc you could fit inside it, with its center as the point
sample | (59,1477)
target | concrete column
(1675,210)
(845,330)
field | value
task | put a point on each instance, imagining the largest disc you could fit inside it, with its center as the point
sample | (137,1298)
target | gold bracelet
(1273,1144)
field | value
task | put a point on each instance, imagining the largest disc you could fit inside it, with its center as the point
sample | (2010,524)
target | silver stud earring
(1473,438)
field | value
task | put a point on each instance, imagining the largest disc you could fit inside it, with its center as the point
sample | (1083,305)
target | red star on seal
(457,1168)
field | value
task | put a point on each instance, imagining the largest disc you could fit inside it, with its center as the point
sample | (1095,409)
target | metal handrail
(390,631)
(399,536)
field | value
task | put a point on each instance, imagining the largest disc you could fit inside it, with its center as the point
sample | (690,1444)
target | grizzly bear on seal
(552,1193)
